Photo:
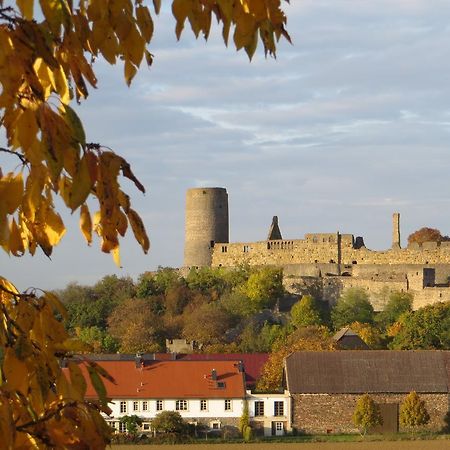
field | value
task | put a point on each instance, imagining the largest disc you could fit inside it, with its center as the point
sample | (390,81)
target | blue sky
(348,125)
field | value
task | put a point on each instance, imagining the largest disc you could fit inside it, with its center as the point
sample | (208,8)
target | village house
(325,386)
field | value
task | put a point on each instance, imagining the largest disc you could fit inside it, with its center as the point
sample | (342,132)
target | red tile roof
(171,379)
(253,362)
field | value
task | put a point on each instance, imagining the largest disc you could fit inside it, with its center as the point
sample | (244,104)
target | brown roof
(368,371)
(171,379)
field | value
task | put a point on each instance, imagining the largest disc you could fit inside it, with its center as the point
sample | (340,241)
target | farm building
(325,386)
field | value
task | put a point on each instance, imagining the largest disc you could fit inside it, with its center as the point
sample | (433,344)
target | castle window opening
(269,246)
(224,248)
(324,240)
(211,244)
(331,261)
(246,248)
(354,262)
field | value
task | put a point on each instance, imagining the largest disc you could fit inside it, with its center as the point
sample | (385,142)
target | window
(123,407)
(215,425)
(246,248)
(159,405)
(227,405)
(146,426)
(221,384)
(203,405)
(181,405)
(278,408)
(224,248)
(122,427)
(259,409)
(144,405)
(135,406)
(279,426)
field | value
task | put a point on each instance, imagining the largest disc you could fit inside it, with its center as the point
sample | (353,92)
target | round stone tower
(206,224)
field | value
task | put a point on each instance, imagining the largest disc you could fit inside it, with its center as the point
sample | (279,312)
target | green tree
(100,340)
(169,422)
(426,328)
(397,304)
(352,306)
(264,287)
(306,312)
(413,412)
(367,414)
(244,421)
(132,423)
(157,283)
(256,338)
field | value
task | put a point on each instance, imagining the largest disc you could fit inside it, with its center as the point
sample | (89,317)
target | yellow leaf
(26,128)
(145,22)
(16,245)
(11,191)
(54,227)
(4,231)
(116,256)
(86,223)
(122,223)
(138,230)
(130,71)
(74,123)
(26,8)
(81,185)
(77,380)
(62,86)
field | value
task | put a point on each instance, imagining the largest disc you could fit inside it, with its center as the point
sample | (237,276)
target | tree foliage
(132,423)
(305,338)
(426,234)
(352,306)
(306,312)
(413,412)
(427,328)
(398,303)
(367,414)
(169,422)
(47,54)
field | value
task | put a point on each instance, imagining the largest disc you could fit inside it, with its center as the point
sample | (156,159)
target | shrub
(367,414)
(413,412)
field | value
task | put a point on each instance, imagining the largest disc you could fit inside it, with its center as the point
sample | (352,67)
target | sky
(346,126)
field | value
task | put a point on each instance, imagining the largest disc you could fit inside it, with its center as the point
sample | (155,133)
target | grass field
(380,445)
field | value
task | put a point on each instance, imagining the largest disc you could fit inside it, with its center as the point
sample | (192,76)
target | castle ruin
(322,264)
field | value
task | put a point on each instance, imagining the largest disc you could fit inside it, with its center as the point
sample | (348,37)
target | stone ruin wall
(324,251)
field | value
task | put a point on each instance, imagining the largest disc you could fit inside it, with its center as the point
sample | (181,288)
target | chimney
(214,374)
(396,231)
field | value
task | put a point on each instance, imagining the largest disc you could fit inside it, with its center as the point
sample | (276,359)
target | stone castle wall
(325,249)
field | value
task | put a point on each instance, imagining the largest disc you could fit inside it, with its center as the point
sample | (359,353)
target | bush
(169,422)
(367,414)
(413,412)
(248,433)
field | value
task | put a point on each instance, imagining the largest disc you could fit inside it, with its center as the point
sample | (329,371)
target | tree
(427,328)
(131,423)
(263,287)
(397,304)
(368,333)
(413,412)
(306,312)
(135,327)
(206,324)
(367,414)
(169,422)
(426,234)
(352,306)
(305,338)
(244,421)
(46,62)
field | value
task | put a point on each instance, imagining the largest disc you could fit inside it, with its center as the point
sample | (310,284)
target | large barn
(325,386)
